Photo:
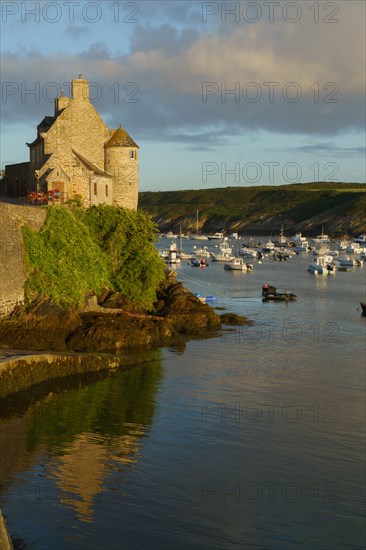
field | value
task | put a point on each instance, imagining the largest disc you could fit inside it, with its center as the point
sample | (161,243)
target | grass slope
(267,206)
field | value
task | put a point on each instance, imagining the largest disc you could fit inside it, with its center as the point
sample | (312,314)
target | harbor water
(250,438)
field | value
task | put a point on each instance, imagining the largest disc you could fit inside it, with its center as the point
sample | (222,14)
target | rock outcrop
(112,323)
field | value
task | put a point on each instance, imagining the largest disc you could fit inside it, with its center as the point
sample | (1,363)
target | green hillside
(339,207)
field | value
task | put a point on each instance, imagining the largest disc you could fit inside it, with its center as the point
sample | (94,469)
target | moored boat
(361,240)
(195,262)
(238,264)
(172,257)
(216,237)
(268,247)
(322,265)
(201,251)
(346,262)
(270,293)
(224,254)
(355,248)
(322,238)
(197,236)
(250,253)
(297,238)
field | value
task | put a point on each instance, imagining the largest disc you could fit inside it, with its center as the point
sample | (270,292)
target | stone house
(76,153)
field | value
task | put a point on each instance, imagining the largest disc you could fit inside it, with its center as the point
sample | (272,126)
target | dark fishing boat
(195,262)
(270,293)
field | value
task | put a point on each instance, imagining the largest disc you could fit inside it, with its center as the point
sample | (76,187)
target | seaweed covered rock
(118,300)
(234,320)
(113,322)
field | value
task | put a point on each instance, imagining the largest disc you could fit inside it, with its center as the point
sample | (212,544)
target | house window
(95,189)
(132,154)
(106,190)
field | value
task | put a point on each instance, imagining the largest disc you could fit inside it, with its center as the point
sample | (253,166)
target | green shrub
(79,251)
(127,237)
(66,262)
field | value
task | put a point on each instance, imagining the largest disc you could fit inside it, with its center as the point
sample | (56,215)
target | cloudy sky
(215,93)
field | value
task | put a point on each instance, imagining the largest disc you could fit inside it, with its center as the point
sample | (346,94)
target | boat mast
(197,223)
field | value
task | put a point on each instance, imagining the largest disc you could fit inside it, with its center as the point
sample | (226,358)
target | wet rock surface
(112,323)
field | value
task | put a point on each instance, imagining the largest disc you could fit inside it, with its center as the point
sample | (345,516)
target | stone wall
(12,271)
(5,540)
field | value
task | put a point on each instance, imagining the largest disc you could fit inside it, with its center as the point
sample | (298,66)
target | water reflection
(88,433)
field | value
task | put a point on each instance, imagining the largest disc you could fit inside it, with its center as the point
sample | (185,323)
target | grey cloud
(168,67)
(97,52)
(331,150)
(76,31)
(179,11)
(164,37)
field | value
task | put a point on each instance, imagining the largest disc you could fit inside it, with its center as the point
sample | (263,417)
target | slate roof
(46,123)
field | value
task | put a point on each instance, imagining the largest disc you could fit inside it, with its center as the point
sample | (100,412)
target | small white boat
(238,264)
(172,257)
(303,247)
(321,250)
(180,253)
(197,236)
(171,235)
(349,262)
(354,248)
(297,238)
(322,238)
(322,265)
(201,251)
(300,244)
(216,237)
(361,240)
(268,247)
(184,255)
(225,253)
(282,240)
(343,245)
(249,253)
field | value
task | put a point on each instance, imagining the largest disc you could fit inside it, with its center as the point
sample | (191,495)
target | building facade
(77,154)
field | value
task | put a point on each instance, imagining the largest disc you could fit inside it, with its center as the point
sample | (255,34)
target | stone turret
(121,161)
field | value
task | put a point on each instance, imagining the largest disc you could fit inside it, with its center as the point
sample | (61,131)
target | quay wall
(12,267)
(5,540)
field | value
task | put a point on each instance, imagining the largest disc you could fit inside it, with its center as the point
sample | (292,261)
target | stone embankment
(100,335)
(20,371)
(5,540)
(12,270)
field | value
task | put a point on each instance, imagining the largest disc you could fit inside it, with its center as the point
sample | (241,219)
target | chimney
(80,89)
(60,103)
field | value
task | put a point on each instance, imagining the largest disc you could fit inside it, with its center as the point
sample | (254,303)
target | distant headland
(338,207)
